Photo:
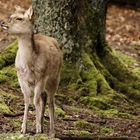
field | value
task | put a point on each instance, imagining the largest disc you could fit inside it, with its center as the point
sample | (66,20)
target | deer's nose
(3,25)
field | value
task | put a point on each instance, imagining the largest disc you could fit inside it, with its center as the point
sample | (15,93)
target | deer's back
(49,55)
(46,43)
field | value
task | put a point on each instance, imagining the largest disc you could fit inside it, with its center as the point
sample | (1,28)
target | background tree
(90,64)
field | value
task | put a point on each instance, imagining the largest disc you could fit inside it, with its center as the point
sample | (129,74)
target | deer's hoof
(23,129)
(51,134)
(39,130)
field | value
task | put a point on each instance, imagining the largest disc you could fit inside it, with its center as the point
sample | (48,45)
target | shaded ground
(73,117)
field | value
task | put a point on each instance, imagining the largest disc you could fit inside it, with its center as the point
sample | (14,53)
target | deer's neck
(26,50)
(25,44)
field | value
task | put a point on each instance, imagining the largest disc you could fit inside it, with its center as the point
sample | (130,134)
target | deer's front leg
(27,93)
(39,102)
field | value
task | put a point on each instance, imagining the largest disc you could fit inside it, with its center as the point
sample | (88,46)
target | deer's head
(20,22)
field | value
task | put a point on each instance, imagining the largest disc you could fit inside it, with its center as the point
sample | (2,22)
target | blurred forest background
(77,115)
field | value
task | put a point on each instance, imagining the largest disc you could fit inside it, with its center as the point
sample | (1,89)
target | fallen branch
(12,115)
(95,138)
(135,3)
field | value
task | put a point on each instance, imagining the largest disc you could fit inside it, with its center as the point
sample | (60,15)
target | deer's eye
(20,19)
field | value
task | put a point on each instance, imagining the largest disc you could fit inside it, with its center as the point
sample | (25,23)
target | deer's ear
(28,14)
(18,8)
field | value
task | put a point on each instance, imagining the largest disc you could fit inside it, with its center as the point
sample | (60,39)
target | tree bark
(90,66)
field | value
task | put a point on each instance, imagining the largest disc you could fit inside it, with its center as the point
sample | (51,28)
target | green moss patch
(3,107)
(58,112)
(129,61)
(16,123)
(92,78)
(69,74)
(91,102)
(18,136)
(136,70)
(4,99)
(105,131)
(7,57)
(82,124)
(115,113)
(79,133)
(7,68)
(8,75)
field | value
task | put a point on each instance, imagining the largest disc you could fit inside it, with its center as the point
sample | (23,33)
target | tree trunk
(90,67)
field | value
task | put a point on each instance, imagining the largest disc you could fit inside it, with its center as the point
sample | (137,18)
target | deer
(38,64)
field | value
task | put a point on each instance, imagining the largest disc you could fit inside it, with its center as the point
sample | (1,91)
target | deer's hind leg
(43,105)
(52,86)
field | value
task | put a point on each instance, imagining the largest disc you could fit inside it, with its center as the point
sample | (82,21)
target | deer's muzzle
(3,25)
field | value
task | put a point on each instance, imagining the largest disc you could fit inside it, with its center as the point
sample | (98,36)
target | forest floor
(123,30)
(74,119)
